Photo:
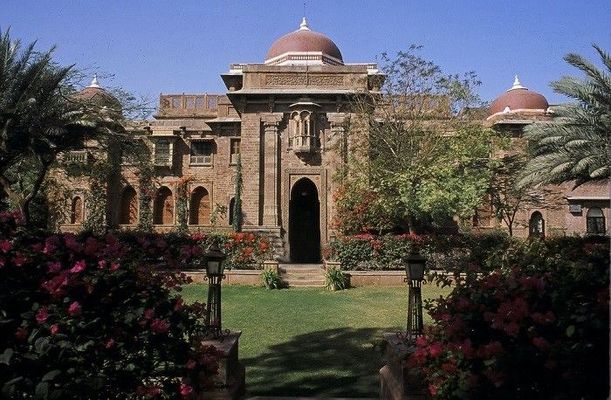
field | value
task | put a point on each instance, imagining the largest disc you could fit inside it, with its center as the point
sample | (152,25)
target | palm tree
(575,146)
(39,119)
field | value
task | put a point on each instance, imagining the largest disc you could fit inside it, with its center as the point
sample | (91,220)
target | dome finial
(517,84)
(304,25)
(94,82)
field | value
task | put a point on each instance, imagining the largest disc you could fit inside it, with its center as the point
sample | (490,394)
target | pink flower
(79,266)
(50,245)
(421,341)
(110,343)
(74,309)
(190,364)
(491,350)
(435,349)
(54,285)
(432,390)
(21,334)
(19,260)
(42,315)
(5,246)
(149,313)
(54,329)
(160,325)
(102,264)
(185,389)
(540,343)
(114,266)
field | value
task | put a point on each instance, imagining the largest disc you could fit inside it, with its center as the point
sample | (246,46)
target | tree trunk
(25,205)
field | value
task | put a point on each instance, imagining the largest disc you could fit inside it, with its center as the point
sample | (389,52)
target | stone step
(309,283)
(298,266)
(302,277)
(307,267)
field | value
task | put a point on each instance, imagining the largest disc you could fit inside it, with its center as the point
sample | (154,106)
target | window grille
(163,152)
(201,152)
(595,221)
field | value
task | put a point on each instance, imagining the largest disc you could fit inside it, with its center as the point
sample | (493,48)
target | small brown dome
(95,94)
(304,40)
(518,98)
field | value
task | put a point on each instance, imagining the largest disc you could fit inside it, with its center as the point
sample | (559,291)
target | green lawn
(312,342)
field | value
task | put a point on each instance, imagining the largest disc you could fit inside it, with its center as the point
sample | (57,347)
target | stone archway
(199,207)
(304,222)
(128,213)
(163,207)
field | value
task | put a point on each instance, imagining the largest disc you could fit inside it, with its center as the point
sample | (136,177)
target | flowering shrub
(360,210)
(537,327)
(244,250)
(449,253)
(86,316)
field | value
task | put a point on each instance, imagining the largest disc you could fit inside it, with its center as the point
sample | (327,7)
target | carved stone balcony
(305,144)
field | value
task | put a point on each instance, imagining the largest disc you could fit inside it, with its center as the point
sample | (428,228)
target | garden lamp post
(414,269)
(215,269)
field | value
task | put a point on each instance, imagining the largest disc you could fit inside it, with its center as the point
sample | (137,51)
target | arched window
(129,207)
(595,221)
(536,225)
(163,207)
(231,210)
(199,207)
(76,210)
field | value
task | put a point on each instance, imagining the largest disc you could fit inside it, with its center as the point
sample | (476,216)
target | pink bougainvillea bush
(88,317)
(536,328)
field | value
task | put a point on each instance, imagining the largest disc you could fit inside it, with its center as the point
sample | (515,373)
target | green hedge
(458,252)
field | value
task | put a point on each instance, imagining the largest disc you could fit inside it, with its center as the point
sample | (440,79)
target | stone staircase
(302,275)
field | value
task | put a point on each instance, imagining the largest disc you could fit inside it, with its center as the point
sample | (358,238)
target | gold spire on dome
(304,25)
(94,82)
(516,84)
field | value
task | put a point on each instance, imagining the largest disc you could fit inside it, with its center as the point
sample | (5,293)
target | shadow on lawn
(335,362)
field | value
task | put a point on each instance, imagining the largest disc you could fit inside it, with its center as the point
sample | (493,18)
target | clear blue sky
(183,45)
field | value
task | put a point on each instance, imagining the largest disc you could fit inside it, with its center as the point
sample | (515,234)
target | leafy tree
(237,205)
(507,198)
(39,119)
(417,145)
(575,146)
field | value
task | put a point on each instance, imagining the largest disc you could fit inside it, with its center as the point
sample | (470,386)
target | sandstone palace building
(286,120)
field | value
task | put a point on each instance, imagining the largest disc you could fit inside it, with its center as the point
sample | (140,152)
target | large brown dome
(518,98)
(304,40)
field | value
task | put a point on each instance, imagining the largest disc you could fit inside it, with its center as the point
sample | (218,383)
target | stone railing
(176,105)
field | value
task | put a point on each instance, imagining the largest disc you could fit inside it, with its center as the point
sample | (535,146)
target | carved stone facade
(286,121)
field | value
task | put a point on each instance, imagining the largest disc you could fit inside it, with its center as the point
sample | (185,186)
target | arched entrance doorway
(304,222)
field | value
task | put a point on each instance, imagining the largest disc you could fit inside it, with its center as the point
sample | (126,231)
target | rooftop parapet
(188,105)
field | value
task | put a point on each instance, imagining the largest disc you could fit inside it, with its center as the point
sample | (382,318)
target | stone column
(271,169)
(338,133)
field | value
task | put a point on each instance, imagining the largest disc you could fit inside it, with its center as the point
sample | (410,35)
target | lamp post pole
(414,269)
(215,274)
